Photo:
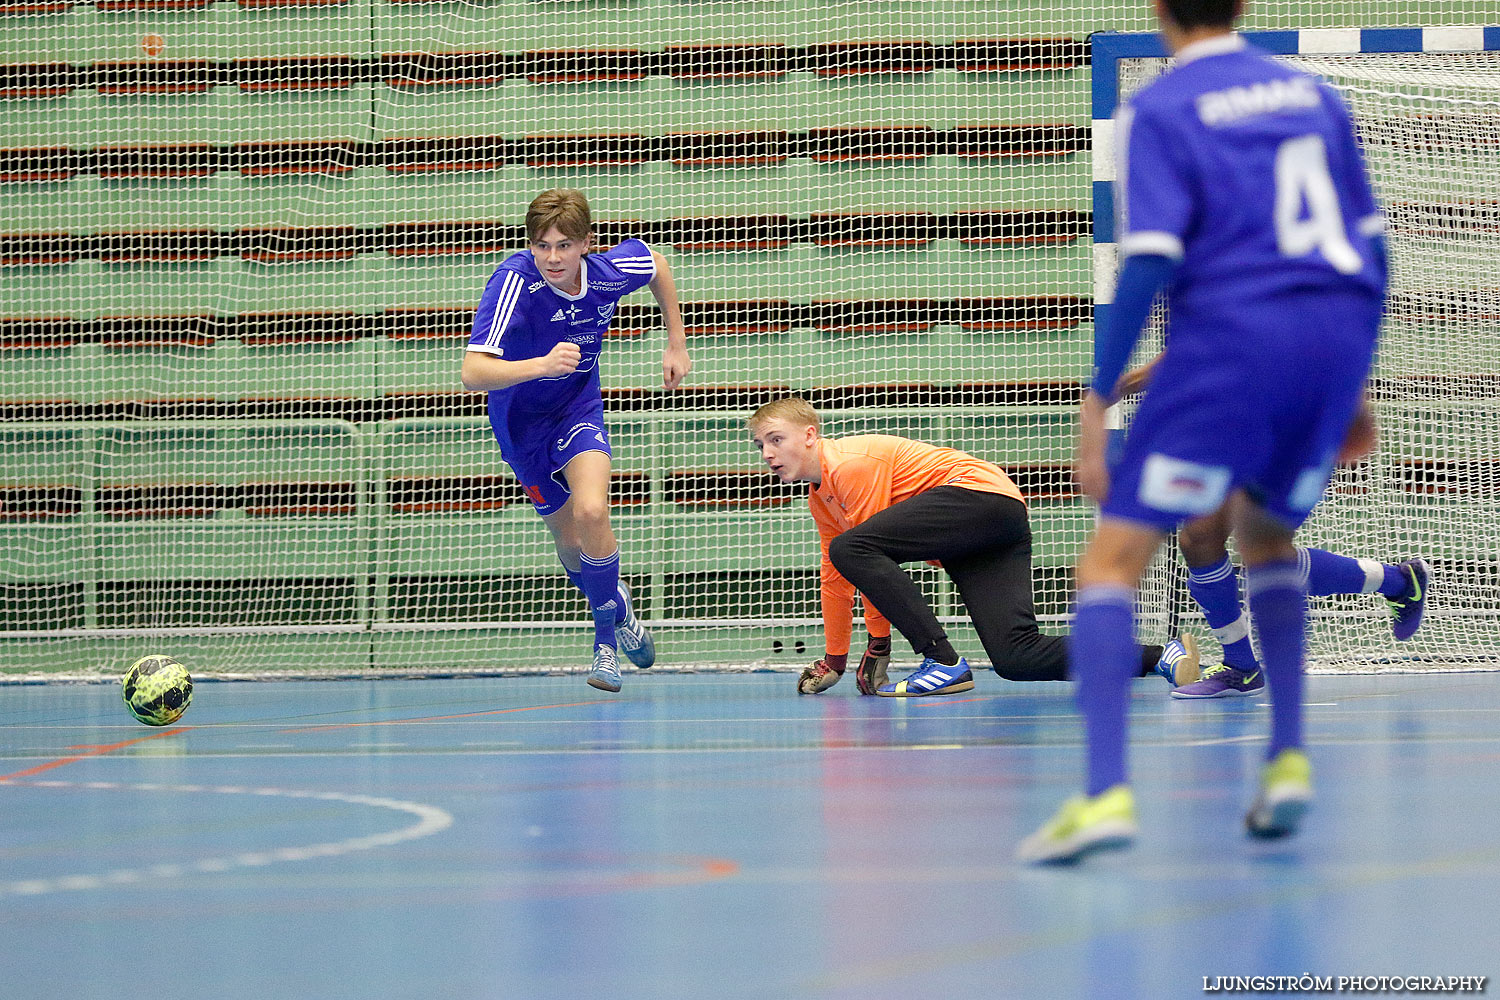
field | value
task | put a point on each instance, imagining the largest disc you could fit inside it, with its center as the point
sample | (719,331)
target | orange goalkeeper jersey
(864,475)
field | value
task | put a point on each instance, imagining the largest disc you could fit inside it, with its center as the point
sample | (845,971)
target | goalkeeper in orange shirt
(879,501)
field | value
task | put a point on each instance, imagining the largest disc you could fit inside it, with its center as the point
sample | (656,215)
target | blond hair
(793,409)
(565,208)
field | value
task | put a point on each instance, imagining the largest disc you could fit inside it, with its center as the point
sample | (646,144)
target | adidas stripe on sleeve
(498,311)
(633,260)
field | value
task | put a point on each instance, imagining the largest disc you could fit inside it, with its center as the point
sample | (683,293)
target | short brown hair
(565,208)
(792,409)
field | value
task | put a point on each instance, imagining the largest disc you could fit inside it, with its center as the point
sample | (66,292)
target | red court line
(431,718)
(93,751)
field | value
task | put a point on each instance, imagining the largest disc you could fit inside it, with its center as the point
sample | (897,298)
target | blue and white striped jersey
(520,316)
(1248,172)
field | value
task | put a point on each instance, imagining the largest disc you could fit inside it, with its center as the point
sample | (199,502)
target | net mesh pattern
(242,243)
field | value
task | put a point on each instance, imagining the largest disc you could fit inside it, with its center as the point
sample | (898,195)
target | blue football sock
(627,608)
(1279,607)
(1328,573)
(1216,588)
(574,575)
(601,585)
(1102,659)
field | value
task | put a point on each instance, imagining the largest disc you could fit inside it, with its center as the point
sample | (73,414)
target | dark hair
(1203,13)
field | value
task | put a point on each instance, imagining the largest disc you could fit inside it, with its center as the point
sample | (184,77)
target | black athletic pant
(984,543)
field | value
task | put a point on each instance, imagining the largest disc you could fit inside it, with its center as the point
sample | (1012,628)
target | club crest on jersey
(605,312)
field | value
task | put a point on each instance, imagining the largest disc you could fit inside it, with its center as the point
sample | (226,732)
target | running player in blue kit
(1242,192)
(535,349)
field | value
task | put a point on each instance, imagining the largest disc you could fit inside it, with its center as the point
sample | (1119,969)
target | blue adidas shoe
(931,677)
(1179,661)
(631,636)
(1406,610)
(606,673)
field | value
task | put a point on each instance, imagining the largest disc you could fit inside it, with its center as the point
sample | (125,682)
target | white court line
(1220,740)
(430,820)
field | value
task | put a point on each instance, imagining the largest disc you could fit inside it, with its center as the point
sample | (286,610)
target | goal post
(1427,105)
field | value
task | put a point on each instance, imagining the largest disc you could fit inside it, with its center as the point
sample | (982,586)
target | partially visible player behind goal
(1243,193)
(535,349)
(881,500)
(1214,583)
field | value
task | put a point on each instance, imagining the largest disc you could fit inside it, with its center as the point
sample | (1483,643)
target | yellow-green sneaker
(1083,825)
(1285,795)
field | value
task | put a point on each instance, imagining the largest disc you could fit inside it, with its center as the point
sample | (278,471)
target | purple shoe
(1406,610)
(1223,681)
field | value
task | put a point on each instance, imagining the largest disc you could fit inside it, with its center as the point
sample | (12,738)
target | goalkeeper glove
(821,675)
(872,666)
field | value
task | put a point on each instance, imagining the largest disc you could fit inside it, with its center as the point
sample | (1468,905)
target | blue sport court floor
(717,836)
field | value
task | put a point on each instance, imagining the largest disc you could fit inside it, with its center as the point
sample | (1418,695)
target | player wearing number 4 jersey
(535,349)
(1242,192)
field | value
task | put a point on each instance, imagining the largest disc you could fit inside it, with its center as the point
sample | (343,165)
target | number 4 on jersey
(1302,179)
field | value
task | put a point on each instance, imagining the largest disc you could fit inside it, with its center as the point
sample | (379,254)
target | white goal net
(241,242)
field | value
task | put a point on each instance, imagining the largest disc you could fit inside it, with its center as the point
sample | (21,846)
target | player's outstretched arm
(675,363)
(837,600)
(1140,279)
(483,372)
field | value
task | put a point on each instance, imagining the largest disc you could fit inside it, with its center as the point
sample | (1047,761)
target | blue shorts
(537,447)
(1270,421)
